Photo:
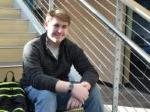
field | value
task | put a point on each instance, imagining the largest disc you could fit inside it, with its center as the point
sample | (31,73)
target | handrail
(10,64)
(12,47)
(143,12)
(140,51)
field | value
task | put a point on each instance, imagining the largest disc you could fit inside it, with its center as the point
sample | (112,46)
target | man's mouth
(58,35)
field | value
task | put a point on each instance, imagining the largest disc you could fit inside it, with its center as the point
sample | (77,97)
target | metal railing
(107,31)
(134,46)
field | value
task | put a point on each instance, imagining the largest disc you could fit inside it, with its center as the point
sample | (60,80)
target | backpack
(12,96)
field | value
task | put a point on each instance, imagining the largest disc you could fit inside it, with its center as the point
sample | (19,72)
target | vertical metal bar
(118,58)
(127,51)
(51,4)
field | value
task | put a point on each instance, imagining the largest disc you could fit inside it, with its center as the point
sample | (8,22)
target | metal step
(6,3)
(11,54)
(13,25)
(10,13)
(15,39)
(10,64)
(16,67)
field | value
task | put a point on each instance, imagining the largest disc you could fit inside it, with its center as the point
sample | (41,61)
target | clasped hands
(79,95)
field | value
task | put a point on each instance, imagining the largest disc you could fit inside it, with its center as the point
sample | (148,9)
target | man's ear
(46,22)
(45,25)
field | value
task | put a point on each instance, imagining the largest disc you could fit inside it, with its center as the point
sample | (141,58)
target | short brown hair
(59,13)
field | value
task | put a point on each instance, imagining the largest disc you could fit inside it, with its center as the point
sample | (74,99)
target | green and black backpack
(12,96)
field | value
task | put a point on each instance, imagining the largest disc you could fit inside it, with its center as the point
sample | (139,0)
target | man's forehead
(56,20)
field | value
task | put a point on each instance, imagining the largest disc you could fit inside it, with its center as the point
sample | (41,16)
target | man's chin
(57,40)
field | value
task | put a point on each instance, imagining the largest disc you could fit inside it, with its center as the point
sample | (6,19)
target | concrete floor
(128,97)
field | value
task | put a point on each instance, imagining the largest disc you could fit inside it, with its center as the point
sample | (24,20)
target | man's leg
(94,103)
(62,100)
(43,100)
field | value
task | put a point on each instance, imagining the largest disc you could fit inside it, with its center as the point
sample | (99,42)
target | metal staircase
(14,33)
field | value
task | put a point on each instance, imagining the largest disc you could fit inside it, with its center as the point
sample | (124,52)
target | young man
(46,64)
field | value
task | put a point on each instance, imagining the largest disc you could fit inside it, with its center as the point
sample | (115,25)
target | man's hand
(73,103)
(86,85)
(80,92)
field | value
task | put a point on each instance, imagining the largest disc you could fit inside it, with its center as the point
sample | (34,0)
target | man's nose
(60,29)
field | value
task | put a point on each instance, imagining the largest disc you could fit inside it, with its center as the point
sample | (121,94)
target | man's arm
(84,66)
(32,68)
(75,102)
(78,91)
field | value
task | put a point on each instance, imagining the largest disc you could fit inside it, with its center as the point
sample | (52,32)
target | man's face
(56,29)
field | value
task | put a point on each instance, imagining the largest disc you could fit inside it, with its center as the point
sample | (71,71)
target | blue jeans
(47,101)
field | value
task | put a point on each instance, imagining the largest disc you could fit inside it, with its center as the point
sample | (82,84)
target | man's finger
(69,104)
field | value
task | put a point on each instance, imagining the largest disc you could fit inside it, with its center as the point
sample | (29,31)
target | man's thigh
(62,100)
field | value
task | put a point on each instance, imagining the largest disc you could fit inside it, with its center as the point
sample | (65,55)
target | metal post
(118,58)
(127,51)
(51,4)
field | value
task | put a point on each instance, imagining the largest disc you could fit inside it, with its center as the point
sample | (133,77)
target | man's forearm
(78,91)
(62,86)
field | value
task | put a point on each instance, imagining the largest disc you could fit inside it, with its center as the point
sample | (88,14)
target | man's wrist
(71,86)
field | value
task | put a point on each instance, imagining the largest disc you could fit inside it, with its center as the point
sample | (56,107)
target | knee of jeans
(46,96)
(94,101)
(95,92)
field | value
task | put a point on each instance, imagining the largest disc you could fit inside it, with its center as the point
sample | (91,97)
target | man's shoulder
(35,41)
(32,46)
(70,43)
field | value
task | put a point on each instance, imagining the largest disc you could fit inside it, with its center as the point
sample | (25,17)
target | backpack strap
(13,76)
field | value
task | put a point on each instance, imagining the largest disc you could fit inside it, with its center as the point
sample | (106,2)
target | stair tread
(6,3)
(6,35)
(14,19)
(10,13)
(8,25)
(15,39)
(10,64)
(11,47)
(12,8)
(13,33)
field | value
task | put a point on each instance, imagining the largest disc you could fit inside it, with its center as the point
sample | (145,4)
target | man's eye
(64,26)
(56,25)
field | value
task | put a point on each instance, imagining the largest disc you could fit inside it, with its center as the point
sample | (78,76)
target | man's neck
(53,47)
(52,44)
